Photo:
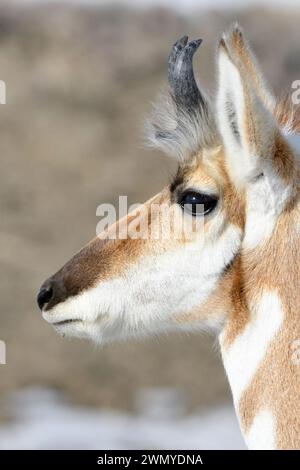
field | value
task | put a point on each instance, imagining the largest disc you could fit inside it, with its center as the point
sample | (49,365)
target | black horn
(181,75)
(185,123)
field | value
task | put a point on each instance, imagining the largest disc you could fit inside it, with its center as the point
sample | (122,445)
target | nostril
(44,296)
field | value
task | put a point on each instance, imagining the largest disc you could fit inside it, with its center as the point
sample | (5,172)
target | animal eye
(195,203)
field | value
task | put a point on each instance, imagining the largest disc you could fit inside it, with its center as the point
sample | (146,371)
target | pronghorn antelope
(238,174)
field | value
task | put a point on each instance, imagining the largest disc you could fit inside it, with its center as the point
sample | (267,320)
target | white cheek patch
(266,200)
(262,434)
(245,355)
(153,291)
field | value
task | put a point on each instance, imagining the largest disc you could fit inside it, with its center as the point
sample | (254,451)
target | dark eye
(196,203)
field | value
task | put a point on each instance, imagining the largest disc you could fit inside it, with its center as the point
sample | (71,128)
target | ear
(246,126)
(243,54)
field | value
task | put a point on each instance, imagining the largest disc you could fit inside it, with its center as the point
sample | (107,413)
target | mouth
(66,322)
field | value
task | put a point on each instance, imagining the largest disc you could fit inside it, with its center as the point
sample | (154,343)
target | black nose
(44,296)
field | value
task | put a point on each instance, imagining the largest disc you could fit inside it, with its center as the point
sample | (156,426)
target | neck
(260,343)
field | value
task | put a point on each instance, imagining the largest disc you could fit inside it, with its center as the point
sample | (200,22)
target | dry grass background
(79,82)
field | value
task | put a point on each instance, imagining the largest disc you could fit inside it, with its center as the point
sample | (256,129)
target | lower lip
(66,322)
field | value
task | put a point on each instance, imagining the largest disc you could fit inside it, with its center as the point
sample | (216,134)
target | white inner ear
(231,121)
(230,102)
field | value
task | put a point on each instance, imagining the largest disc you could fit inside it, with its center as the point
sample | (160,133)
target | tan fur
(275,266)
(217,306)
(275,385)
(104,258)
(210,170)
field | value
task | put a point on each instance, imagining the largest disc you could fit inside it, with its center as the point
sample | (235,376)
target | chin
(99,331)
(73,329)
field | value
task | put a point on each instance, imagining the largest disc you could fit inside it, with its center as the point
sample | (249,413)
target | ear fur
(240,48)
(177,133)
(246,126)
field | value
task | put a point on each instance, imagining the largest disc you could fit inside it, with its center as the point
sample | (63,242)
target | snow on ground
(45,420)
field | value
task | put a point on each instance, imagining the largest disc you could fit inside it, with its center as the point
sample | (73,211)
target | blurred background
(80,79)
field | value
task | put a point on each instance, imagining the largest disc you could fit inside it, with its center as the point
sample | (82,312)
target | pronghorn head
(235,169)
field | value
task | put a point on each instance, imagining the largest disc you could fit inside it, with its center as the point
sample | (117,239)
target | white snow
(45,420)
